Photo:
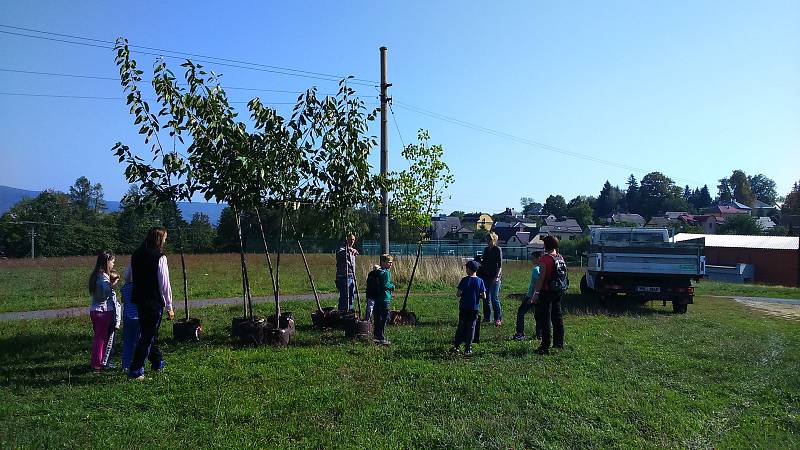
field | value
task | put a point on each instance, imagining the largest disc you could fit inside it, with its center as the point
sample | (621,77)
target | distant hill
(10,196)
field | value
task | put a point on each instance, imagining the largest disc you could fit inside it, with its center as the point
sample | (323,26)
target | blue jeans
(381,317)
(493,297)
(146,346)
(347,291)
(130,335)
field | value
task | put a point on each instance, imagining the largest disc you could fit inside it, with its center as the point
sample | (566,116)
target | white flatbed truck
(643,263)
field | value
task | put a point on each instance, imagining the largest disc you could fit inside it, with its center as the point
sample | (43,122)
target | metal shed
(776,259)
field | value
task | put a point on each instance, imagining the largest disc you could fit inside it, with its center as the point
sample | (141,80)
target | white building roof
(737,241)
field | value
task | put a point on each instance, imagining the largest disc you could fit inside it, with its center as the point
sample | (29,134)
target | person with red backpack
(547,295)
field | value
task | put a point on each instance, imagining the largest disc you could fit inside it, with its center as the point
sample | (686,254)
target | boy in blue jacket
(471,290)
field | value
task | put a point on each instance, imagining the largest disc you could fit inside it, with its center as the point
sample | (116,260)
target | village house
(626,218)
(765,223)
(563,229)
(761,209)
(465,234)
(442,226)
(477,221)
(505,230)
(722,211)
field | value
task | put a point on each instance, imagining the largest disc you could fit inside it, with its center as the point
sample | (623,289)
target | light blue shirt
(535,272)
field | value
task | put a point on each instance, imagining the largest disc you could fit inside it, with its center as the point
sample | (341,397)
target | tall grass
(432,271)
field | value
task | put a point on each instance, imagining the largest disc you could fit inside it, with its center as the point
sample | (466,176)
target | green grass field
(720,376)
(61,282)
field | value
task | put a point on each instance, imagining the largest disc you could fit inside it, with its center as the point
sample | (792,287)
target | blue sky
(693,89)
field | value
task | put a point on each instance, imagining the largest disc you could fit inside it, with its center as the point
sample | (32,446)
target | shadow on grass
(583,305)
(41,361)
(435,352)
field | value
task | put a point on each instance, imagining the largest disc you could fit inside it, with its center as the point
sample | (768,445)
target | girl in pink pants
(103,308)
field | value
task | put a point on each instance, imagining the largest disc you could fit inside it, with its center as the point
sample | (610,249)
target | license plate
(647,289)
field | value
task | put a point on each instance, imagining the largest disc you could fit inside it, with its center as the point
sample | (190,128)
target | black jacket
(144,264)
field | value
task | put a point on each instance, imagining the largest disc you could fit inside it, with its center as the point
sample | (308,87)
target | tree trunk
(266,252)
(413,271)
(278,272)
(246,299)
(183,263)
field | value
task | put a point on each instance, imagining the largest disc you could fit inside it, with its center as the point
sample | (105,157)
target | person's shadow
(41,360)
(591,305)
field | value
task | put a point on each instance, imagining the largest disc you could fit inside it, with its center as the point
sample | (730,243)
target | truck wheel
(585,289)
(678,308)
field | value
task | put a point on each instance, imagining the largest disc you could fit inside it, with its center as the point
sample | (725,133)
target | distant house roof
(761,205)
(627,218)
(675,214)
(523,237)
(525,224)
(505,230)
(738,241)
(734,204)
(536,242)
(510,212)
(658,222)
(504,233)
(726,209)
(473,217)
(466,230)
(441,225)
(765,222)
(706,218)
(563,226)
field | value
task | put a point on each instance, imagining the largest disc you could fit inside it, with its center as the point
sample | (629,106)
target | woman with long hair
(104,309)
(152,294)
(491,272)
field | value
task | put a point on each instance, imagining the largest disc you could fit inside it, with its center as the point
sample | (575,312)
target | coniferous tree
(632,196)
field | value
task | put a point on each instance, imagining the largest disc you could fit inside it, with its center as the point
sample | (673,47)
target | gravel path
(779,307)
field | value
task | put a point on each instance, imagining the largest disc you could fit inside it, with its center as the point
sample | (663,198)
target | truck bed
(684,259)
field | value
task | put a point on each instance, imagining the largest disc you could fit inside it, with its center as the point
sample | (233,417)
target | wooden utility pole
(384,155)
(33,242)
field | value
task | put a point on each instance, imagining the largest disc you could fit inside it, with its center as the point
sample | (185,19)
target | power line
(522,140)
(72,36)
(93,97)
(205,59)
(94,77)
(394,117)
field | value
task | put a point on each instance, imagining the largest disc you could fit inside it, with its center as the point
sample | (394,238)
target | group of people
(144,304)
(483,280)
(378,290)
(146,299)
(545,292)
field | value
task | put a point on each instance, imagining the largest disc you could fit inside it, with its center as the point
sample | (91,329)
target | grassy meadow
(53,283)
(720,376)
